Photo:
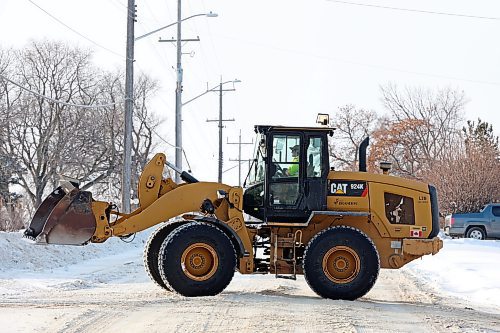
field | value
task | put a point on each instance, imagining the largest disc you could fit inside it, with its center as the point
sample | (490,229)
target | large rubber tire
(197,259)
(476,233)
(341,263)
(152,253)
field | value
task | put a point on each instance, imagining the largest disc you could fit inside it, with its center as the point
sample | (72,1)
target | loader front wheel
(197,259)
(341,263)
(152,253)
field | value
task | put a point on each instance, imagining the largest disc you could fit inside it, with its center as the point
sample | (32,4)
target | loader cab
(288,177)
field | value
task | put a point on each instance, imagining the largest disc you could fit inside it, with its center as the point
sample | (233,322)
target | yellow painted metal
(412,248)
(393,241)
(420,247)
(374,202)
(183,199)
(236,221)
(102,231)
(341,264)
(199,261)
(236,197)
(162,199)
(380,178)
(151,180)
(186,198)
(422,209)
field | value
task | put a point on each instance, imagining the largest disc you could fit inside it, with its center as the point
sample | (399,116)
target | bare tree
(352,126)
(397,142)
(48,139)
(10,216)
(41,132)
(143,128)
(422,137)
(421,128)
(9,165)
(468,177)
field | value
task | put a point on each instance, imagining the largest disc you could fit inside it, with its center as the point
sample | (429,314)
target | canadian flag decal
(416,233)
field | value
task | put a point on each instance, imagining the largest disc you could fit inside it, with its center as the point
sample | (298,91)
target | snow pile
(465,268)
(18,254)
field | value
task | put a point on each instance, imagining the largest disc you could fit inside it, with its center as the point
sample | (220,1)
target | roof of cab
(266,128)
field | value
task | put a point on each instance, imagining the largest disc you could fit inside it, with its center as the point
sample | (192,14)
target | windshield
(256,174)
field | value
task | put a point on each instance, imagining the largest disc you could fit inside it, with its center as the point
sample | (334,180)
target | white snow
(28,266)
(465,269)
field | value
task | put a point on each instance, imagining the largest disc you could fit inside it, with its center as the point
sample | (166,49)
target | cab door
(285,199)
(316,172)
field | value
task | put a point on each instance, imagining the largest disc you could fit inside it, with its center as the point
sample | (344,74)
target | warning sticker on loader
(348,188)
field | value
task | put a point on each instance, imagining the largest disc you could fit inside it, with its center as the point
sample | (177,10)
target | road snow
(103,287)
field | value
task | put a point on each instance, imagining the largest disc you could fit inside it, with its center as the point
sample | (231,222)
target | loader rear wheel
(197,259)
(341,263)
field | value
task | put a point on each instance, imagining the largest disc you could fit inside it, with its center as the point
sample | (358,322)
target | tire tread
(184,229)
(333,229)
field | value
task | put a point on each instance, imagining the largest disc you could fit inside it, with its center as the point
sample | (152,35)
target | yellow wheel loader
(337,228)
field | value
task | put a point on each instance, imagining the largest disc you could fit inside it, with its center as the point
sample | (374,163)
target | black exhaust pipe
(362,154)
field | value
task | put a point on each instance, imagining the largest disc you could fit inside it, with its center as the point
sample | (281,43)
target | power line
(239,143)
(174,146)
(56,100)
(231,168)
(416,10)
(161,55)
(212,43)
(220,120)
(123,7)
(76,32)
(380,67)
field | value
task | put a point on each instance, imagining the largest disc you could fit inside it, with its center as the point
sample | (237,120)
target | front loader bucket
(65,218)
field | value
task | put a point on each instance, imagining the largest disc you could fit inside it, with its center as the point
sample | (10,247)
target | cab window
(257,169)
(285,170)
(285,156)
(314,151)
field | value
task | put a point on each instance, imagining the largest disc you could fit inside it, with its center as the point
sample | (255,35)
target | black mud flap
(65,217)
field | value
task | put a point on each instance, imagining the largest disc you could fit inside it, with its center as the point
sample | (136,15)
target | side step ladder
(287,242)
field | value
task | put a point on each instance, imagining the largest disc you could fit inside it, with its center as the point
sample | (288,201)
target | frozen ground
(103,287)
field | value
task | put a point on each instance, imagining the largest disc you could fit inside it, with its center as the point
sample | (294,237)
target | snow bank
(465,268)
(18,254)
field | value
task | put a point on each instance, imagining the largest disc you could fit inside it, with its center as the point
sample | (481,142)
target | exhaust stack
(362,154)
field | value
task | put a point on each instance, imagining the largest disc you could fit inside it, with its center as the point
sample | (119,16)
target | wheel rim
(341,264)
(476,234)
(199,261)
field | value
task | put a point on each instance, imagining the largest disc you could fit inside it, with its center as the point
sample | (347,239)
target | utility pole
(178,97)
(239,143)
(178,91)
(220,120)
(129,104)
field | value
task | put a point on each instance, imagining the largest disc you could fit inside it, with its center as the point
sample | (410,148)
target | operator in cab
(293,170)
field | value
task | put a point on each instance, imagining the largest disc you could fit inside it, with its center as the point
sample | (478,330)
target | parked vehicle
(482,225)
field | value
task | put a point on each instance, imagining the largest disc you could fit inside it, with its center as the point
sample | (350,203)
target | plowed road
(250,304)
